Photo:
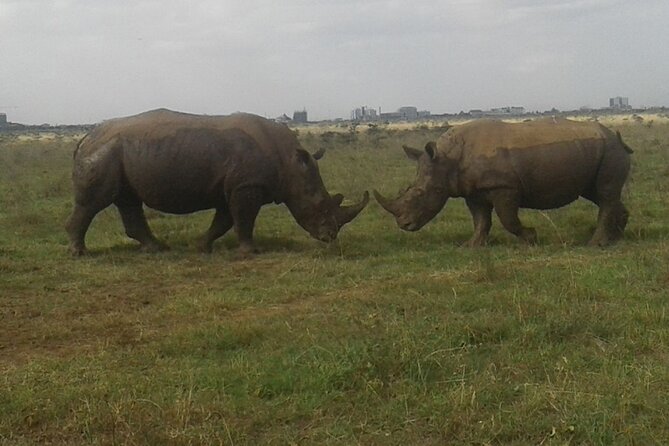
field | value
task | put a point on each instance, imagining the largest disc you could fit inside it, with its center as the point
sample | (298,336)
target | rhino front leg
(506,204)
(245,204)
(482,215)
(221,224)
(137,228)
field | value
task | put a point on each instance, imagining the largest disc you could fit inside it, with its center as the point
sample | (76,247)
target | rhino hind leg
(506,204)
(612,217)
(618,221)
(96,185)
(221,224)
(611,223)
(136,227)
(245,203)
(77,226)
(606,193)
(482,215)
(621,221)
(87,203)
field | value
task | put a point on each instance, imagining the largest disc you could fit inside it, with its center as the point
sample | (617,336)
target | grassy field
(382,338)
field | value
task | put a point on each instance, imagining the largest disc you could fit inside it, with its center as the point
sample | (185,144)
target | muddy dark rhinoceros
(541,164)
(181,163)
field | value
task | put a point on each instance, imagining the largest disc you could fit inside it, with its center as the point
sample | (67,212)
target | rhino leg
(76,227)
(613,216)
(611,222)
(482,215)
(506,204)
(620,222)
(87,203)
(136,227)
(221,224)
(96,185)
(245,204)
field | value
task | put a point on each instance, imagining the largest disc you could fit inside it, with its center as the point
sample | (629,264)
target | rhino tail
(76,149)
(627,148)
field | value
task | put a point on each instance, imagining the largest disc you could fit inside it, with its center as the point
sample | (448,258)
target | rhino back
(179,163)
(273,139)
(551,161)
(485,137)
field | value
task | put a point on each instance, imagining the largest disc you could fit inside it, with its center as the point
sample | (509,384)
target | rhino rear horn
(388,205)
(347,213)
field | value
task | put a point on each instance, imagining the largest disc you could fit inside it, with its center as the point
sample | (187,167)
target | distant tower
(3,119)
(300,116)
(619,102)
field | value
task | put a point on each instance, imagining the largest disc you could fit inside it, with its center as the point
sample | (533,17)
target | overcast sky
(83,61)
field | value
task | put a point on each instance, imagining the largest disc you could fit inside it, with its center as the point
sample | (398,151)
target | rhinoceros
(181,163)
(541,164)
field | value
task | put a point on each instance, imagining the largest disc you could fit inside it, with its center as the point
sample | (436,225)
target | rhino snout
(411,227)
(407,224)
(326,236)
(324,233)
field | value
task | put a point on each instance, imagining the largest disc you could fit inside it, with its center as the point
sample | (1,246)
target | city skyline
(71,61)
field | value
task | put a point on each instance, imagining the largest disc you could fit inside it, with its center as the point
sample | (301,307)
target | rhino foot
(529,236)
(78,251)
(601,237)
(246,252)
(599,241)
(475,242)
(154,247)
(205,247)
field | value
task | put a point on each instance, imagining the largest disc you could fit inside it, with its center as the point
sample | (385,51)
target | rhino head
(319,213)
(423,200)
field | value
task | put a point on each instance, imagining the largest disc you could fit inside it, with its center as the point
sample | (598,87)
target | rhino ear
(319,153)
(303,156)
(412,153)
(431,149)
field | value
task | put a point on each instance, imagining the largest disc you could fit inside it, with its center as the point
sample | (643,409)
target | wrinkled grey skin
(181,163)
(545,164)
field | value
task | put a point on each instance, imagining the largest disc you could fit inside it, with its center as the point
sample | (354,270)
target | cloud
(83,61)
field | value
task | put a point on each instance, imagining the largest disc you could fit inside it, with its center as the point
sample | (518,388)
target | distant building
(406,113)
(619,103)
(283,119)
(505,111)
(3,119)
(391,116)
(300,116)
(364,114)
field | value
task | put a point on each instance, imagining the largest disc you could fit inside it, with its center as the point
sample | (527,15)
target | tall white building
(619,102)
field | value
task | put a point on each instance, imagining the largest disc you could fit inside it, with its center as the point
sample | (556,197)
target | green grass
(384,337)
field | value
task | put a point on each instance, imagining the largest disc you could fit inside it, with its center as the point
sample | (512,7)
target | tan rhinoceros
(540,164)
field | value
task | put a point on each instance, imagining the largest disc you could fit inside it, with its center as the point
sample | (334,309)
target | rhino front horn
(385,203)
(347,213)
